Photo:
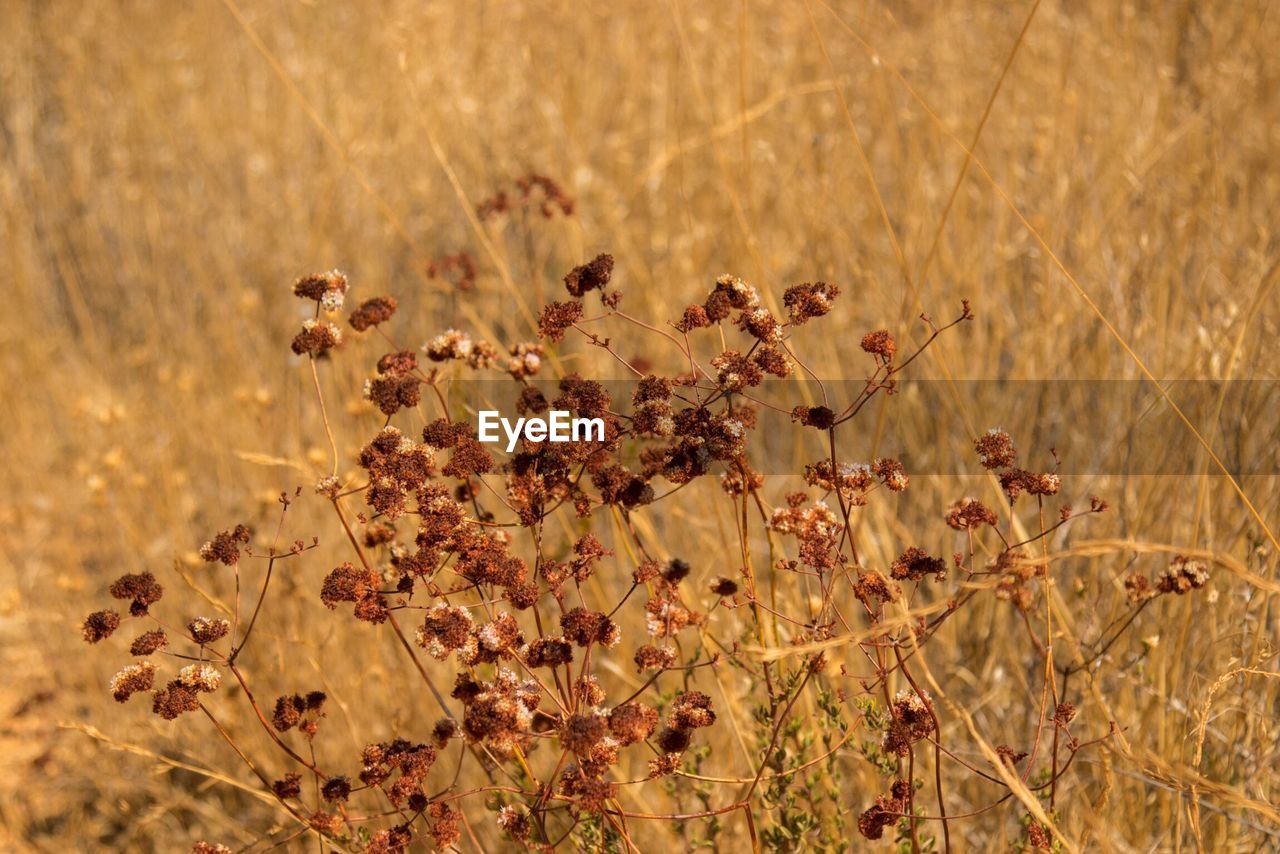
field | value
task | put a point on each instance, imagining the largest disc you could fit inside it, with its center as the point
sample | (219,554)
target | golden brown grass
(165,175)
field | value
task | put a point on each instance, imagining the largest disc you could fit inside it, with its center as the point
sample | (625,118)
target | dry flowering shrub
(459,552)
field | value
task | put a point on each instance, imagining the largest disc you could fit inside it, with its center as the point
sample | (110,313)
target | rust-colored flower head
(225,547)
(329,289)
(585,628)
(581,732)
(995,449)
(694,317)
(336,790)
(809,300)
(290,786)
(724,587)
(175,699)
(148,642)
(880,344)
(1182,575)
(885,811)
(821,417)
(691,710)
(371,312)
(132,679)
(968,514)
(206,630)
(632,722)
(557,318)
(100,625)
(316,339)
(593,275)
(735,372)
(915,563)
(141,588)
(891,473)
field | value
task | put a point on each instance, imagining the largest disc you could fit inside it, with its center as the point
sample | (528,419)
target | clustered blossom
(526,359)
(1182,575)
(885,811)
(399,768)
(912,719)
(996,451)
(815,526)
(891,473)
(148,642)
(735,372)
(853,480)
(328,289)
(372,312)
(880,344)
(225,547)
(691,710)
(968,514)
(557,317)
(809,300)
(132,679)
(915,563)
(445,630)
(297,710)
(142,589)
(592,276)
(316,339)
(100,625)
(359,586)
(453,345)
(206,630)
(397,385)
(498,713)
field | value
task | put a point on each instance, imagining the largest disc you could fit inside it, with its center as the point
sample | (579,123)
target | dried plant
(484,568)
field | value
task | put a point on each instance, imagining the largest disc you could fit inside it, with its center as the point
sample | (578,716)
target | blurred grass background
(166,171)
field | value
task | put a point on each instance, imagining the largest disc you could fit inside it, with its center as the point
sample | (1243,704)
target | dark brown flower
(915,563)
(809,300)
(288,787)
(995,449)
(132,679)
(880,344)
(99,625)
(142,588)
(225,547)
(556,318)
(148,642)
(593,275)
(372,312)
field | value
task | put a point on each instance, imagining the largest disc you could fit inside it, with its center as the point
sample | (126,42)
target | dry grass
(165,174)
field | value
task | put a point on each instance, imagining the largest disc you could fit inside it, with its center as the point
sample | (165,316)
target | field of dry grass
(1100,179)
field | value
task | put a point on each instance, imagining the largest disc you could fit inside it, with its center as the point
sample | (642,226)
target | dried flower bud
(593,275)
(372,312)
(132,679)
(995,449)
(100,625)
(1182,575)
(880,343)
(225,547)
(328,289)
(557,318)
